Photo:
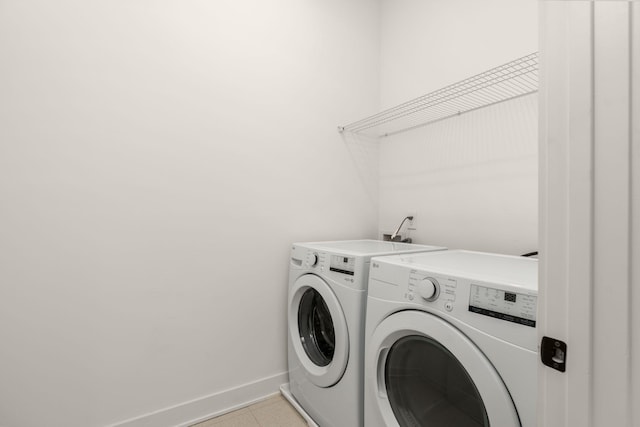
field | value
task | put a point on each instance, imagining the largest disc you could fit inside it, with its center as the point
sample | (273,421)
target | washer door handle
(381,359)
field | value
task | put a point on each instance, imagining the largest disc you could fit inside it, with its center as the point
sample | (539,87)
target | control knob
(313,260)
(429,288)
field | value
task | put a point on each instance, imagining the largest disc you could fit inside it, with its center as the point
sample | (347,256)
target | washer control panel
(343,264)
(492,302)
(493,294)
(504,305)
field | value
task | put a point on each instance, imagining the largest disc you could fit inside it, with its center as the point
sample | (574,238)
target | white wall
(470,181)
(157,158)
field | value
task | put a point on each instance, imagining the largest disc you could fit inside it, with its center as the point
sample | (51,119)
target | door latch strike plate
(553,353)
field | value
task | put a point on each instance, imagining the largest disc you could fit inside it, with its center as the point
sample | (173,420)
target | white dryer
(451,341)
(326,309)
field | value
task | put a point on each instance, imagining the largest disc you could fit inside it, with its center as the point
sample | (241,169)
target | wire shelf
(511,80)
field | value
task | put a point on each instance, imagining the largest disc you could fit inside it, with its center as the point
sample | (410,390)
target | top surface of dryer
(488,267)
(367,247)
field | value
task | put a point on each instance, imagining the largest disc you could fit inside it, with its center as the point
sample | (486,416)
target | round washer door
(430,374)
(318,330)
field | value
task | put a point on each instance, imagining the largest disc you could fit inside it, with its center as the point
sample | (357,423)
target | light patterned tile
(240,418)
(276,398)
(278,414)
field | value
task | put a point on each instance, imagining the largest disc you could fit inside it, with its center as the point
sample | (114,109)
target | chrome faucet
(395,233)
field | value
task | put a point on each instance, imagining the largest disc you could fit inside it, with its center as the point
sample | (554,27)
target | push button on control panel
(449,289)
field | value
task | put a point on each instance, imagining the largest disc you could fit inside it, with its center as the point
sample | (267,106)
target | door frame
(590,211)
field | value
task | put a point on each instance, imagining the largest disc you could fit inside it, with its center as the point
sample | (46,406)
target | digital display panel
(343,264)
(511,297)
(503,305)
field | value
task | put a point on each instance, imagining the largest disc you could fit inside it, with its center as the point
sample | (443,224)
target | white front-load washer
(451,340)
(326,304)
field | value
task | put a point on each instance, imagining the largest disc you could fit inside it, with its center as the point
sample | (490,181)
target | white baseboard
(286,392)
(213,405)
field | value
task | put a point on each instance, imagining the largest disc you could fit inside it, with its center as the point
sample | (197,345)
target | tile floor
(274,411)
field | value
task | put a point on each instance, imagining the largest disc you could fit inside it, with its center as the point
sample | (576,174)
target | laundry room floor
(274,411)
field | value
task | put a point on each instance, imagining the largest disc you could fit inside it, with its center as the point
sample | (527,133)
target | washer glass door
(318,330)
(427,385)
(422,371)
(315,327)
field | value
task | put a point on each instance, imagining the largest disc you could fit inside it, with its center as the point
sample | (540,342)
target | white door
(430,374)
(318,330)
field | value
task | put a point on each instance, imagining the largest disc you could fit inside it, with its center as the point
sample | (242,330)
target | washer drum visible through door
(429,373)
(318,330)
